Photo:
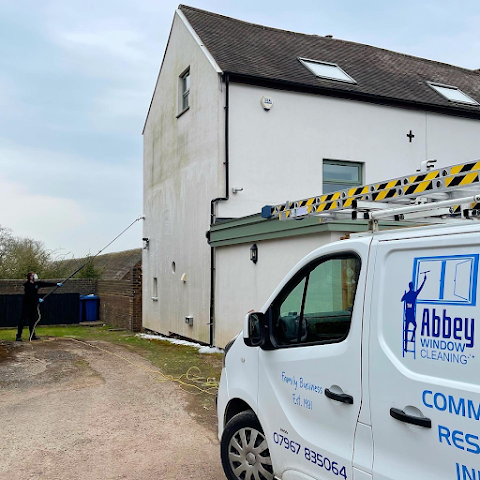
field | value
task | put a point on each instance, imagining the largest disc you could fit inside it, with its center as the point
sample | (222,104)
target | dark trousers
(30,315)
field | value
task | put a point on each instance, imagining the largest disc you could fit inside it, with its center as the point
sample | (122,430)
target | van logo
(438,318)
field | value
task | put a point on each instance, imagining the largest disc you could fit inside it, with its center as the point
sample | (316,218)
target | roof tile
(267,53)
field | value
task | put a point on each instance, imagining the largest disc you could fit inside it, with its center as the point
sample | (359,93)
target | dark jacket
(31,291)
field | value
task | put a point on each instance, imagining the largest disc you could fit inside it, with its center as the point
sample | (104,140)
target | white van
(363,364)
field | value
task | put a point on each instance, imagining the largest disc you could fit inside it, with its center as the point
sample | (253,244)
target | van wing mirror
(256,329)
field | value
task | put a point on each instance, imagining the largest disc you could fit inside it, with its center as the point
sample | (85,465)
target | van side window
(316,307)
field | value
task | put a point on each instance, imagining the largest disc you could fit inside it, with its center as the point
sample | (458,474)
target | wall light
(254,253)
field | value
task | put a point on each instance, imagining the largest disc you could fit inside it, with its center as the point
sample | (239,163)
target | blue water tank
(89,308)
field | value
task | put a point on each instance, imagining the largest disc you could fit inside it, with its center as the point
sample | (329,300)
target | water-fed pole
(32,333)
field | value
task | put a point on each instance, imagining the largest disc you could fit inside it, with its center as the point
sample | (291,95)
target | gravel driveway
(72,412)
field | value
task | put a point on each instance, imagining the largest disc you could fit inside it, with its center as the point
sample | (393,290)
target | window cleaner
(32,332)
(29,303)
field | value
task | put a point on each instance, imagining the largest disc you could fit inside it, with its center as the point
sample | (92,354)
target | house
(245,115)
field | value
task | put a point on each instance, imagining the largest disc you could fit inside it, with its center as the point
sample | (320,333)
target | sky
(76,80)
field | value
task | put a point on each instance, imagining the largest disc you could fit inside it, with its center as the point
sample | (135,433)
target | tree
(5,239)
(19,255)
(89,270)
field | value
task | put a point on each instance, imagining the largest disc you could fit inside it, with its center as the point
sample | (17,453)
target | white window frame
(304,62)
(432,85)
(155,289)
(183,93)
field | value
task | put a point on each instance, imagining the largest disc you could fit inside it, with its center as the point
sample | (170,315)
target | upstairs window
(454,94)
(330,71)
(184,90)
(338,175)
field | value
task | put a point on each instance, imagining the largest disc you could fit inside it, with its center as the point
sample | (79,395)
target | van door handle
(339,397)
(398,414)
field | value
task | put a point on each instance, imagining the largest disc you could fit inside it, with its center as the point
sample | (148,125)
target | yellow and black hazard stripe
(327,206)
(462,180)
(432,175)
(465,168)
(307,202)
(451,177)
(418,188)
(355,192)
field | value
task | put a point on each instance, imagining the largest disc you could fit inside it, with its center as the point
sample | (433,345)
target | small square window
(184,91)
(453,94)
(330,71)
(338,175)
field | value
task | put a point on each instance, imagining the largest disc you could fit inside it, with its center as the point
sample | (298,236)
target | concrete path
(71,412)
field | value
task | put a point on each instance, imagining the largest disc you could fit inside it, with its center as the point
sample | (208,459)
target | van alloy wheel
(245,454)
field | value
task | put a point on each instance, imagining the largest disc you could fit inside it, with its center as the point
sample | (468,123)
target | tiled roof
(113,266)
(271,54)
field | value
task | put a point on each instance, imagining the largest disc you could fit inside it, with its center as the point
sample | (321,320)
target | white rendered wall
(183,171)
(277,155)
(242,286)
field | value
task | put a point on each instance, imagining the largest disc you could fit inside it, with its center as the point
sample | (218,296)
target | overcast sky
(76,78)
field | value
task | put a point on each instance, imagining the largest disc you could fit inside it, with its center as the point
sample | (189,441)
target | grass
(169,358)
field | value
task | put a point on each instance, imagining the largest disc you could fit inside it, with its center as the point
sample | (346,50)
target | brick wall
(137,298)
(116,297)
(120,300)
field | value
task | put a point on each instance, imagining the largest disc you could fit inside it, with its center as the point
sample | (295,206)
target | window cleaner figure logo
(409,300)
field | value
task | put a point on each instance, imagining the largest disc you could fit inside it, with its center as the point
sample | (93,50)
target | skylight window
(331,71)
(453,94)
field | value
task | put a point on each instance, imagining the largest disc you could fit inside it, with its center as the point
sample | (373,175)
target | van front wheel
(244,449)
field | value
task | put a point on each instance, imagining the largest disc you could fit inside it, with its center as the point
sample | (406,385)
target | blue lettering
(457,409)
(467,473)
(447,325)
(435,325)
(442,407)
(425,393)
(457,437)
(470,336)
(476,446)
(457,327)
(426,322)
(456,406)
(472,412)
(444,432)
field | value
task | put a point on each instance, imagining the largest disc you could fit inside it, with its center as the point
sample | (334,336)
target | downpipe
(213,204)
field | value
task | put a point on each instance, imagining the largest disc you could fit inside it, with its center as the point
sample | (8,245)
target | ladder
(450,193)
(409,343)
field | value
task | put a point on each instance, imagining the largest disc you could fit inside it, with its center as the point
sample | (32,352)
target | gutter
(353,94)
(213,204)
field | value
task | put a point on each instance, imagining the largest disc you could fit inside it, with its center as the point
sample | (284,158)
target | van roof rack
(444,195)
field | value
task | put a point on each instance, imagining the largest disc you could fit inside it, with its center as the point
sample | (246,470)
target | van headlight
(228,346)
